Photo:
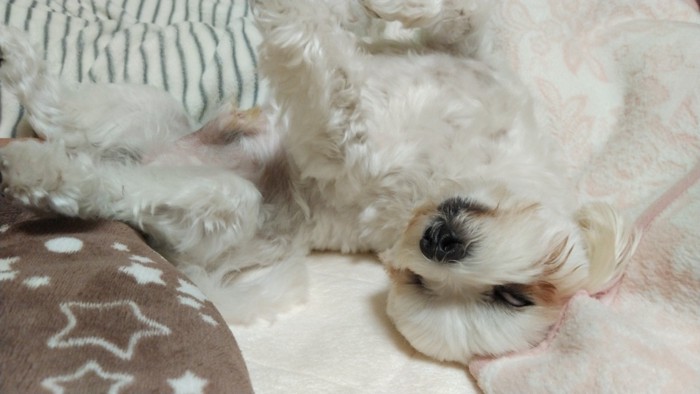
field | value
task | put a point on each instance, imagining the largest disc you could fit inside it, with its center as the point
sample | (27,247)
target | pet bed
(88,307)
(616,81)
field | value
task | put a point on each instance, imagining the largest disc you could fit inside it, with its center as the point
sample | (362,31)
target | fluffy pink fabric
(618,82)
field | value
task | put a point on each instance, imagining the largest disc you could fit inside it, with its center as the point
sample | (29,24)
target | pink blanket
(619,83)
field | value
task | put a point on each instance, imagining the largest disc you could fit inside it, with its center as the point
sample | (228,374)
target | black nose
(442,244)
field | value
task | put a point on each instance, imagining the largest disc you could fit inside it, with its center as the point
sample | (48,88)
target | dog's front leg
(453,25)
(315,70)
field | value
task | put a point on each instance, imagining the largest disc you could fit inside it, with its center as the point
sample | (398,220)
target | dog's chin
(456,329)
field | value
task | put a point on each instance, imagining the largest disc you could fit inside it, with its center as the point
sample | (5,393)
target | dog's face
(474,277)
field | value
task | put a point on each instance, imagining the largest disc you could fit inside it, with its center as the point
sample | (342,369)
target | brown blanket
(87,306)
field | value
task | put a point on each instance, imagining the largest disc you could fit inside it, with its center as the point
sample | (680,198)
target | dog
(386,131)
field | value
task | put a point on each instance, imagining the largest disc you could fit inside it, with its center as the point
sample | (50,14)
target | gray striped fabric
(201,51)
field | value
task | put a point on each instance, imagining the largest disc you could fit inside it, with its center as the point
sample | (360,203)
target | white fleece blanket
(616,81)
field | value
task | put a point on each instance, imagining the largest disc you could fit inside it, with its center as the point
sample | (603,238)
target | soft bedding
(88,307)
(617,82)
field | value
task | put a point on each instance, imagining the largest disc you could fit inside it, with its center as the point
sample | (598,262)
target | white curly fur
(384,133)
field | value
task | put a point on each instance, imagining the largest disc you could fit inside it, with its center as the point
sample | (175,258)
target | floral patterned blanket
(618,82)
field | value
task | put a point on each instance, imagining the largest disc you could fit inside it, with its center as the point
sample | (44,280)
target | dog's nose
(442,244)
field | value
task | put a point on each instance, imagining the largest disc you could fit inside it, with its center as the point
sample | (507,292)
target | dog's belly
(338,230)
(434,125)
(377,214)
(434,109)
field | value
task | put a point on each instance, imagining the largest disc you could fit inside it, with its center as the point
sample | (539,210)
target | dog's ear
(609,242)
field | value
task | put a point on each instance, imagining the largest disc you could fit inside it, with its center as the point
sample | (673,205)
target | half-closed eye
(511,295)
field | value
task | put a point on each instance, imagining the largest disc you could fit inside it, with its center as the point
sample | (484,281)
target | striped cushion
(201,51)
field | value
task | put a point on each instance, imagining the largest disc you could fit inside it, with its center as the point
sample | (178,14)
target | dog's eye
(511,295)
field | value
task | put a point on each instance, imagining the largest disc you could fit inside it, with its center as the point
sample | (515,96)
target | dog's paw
(442,22)
(276,5)
(301,16)
(39,175)
(412,14)
(19,62)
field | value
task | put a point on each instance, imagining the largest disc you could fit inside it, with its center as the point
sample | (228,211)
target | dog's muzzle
(442,243)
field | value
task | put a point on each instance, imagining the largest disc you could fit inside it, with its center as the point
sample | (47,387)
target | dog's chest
(429,125)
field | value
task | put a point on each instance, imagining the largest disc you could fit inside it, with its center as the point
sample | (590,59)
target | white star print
(36,282)
(140,259)
(188,383)
(60,340)
(120,247)
(191,302)
(208,319)
(6,272)
(191,290)
(120,380)
(7,275)
(143,275)
(5,263)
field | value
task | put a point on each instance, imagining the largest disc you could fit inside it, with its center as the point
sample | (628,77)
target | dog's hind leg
(23,73)
(314,68)
(198,211)
(207,221)
(256,281)
(116,122)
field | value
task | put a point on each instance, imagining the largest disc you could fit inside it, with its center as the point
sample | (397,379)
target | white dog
(412,149)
